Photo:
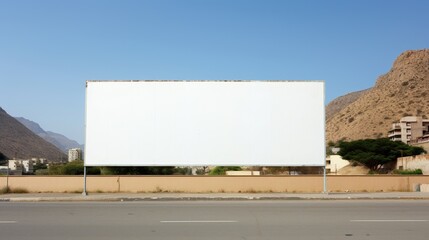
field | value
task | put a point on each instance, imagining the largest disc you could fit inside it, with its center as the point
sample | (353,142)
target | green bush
(408,172)
(220,170)
(41,172)
(72,168)
(137,170)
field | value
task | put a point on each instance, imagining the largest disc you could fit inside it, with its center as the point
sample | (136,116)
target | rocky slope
(403,91)
(340,103)
(58,140)
(17,141)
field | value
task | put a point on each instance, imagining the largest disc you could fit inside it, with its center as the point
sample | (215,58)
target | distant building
(413,163)
(20,166)
(335,163)
(335,150)
(4,170)
(75,154)
(410,130)
(243,173)
(40,160)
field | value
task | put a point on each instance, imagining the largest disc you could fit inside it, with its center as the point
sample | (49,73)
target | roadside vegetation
(379,155)
(77,168)
(3,158)
(408,172)
(5,190)
(219,170)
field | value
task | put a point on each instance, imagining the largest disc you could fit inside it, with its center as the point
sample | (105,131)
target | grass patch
(13,190)
(408,172)
(251,190)
(18,190)
(4,190)
(74,191)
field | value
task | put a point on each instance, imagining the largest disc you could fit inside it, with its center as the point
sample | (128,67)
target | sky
(48,49)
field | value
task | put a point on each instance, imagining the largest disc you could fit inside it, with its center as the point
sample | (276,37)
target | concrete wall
(196,184)
(414,162)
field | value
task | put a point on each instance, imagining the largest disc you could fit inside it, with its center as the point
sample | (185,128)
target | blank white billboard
(200,123)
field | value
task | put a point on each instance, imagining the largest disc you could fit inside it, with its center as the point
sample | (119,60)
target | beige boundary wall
(207,184)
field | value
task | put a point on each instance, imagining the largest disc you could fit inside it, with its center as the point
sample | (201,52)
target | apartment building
(410,130)
(20,166)
(75,154)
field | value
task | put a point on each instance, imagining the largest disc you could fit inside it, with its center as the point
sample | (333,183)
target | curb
(197,198)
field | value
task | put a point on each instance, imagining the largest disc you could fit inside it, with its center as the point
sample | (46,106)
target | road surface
(305,219)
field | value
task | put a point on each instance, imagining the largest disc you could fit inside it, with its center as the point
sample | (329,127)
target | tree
(3,158)
(219,170)
(376,153)
(39,165)
(137,170)
(72,168)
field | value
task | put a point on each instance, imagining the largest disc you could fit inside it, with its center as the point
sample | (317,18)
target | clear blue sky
(49,48)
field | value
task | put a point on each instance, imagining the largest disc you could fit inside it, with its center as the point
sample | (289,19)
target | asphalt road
(305,219)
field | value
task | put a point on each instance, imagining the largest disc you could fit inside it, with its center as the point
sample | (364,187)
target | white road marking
(389,220)
(201,221)
(7,221)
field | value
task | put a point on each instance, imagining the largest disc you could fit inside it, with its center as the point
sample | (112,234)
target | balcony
(393,134)
(396,139)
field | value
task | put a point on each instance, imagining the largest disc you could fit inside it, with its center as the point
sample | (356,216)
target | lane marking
(389,220)
(201,221)
(8,222)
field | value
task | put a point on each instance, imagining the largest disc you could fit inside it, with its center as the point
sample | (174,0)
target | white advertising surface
(205,123)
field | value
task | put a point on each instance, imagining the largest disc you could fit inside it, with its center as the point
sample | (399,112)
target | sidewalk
(113,197)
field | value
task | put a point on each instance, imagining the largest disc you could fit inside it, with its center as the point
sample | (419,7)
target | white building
(39,160)
(335,163)
(20,166)
(4,170)
(243,173)
(75,154)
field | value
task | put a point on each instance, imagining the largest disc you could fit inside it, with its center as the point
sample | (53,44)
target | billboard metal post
(84,193)
(324,181)
(7,179)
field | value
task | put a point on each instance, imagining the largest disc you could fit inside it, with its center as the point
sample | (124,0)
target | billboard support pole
(84,193)
(324,181)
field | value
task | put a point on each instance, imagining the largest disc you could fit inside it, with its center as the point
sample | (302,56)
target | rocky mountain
(403,91)
(58,140)
(339,103)
(17,141)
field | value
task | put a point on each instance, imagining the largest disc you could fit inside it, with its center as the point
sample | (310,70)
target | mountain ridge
(57,139)
(402,91)
(341,102)
(17,141)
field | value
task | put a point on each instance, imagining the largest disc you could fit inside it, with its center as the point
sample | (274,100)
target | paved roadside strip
(117,197)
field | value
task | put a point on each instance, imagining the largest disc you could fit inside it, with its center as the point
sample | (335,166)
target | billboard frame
(300,81)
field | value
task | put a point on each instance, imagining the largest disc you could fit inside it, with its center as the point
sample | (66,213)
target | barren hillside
(403,91)
(17,141)
(340,103)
